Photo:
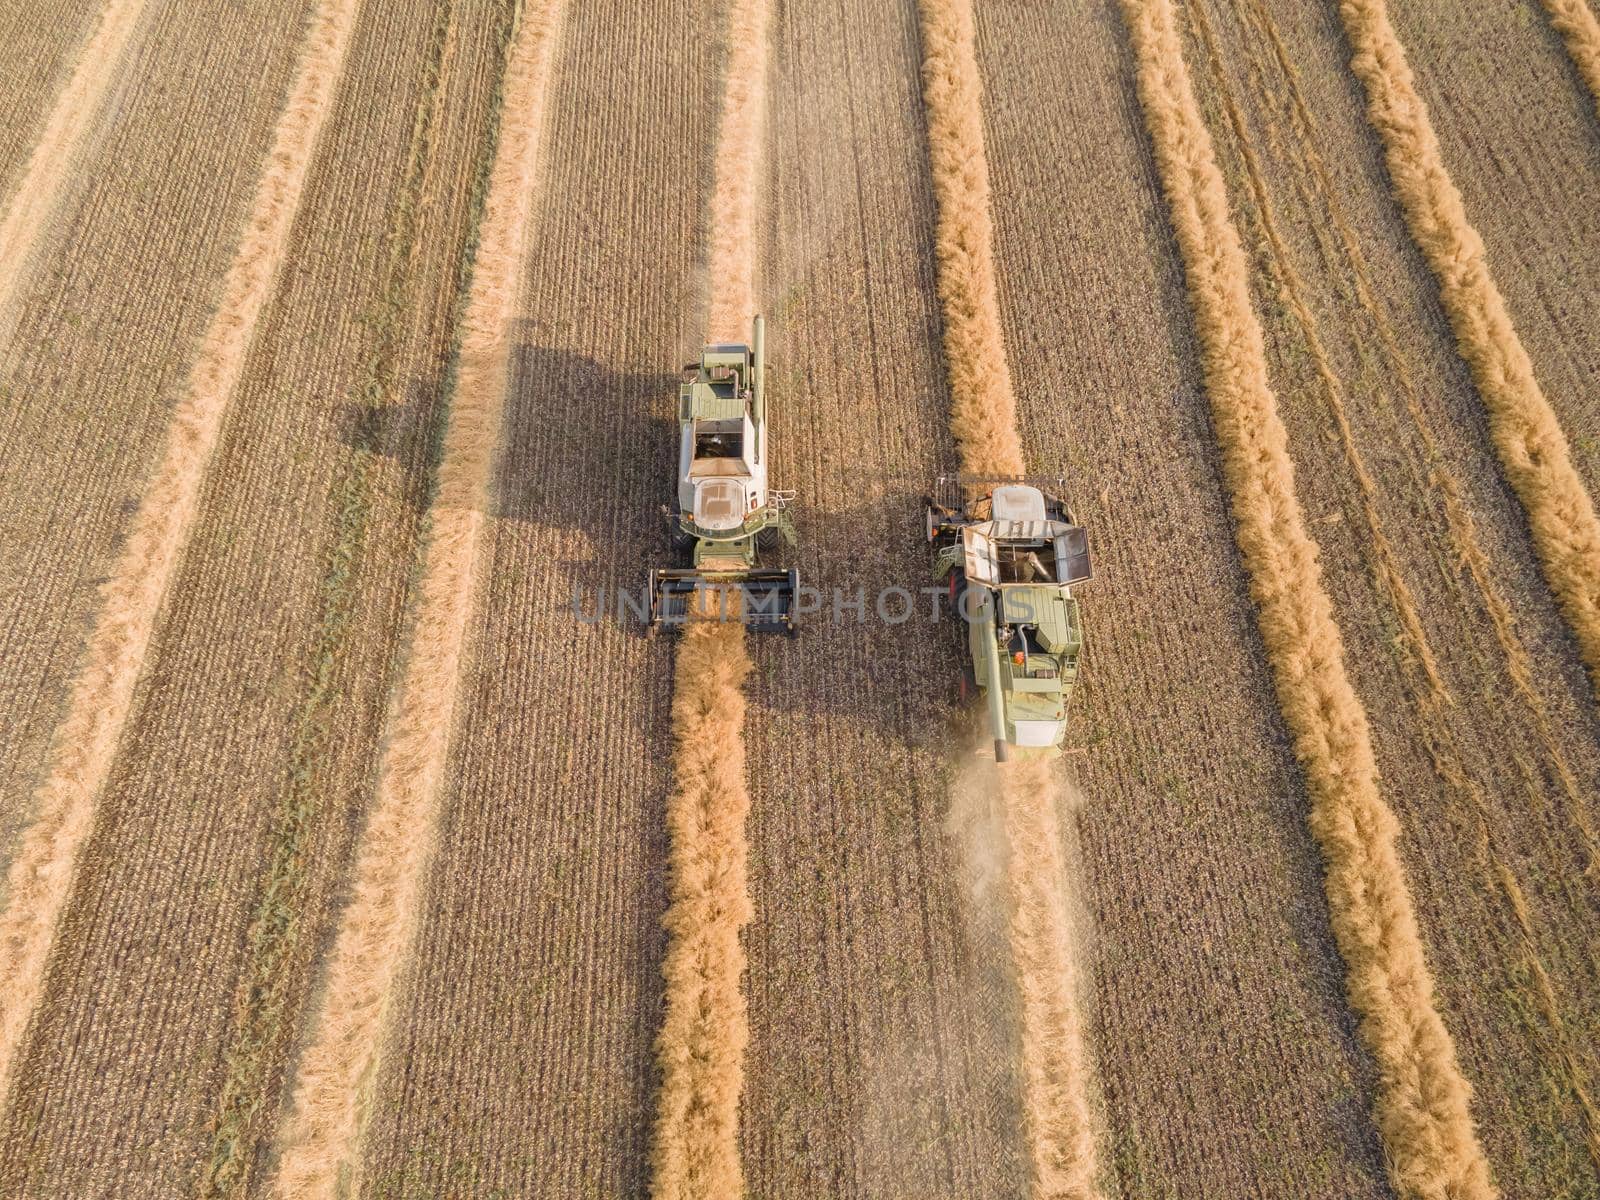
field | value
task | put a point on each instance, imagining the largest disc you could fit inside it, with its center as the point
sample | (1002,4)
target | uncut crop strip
(1422,1105)
(705,1028)
(1580,32)
(1055,1056)
(34,198)
(320,1140)
(271,987)
(1528,439)
(1428,694)
(101,696)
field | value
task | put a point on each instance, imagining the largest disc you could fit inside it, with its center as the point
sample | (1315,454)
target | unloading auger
(724,515)
(1013,554)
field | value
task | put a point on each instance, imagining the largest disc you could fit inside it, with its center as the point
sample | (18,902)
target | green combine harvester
(1013,554)
(724,515)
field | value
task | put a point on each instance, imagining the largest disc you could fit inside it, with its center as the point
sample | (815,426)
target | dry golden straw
(983,410)
(1579,29)
(272,986)
(1532,449)
(34,198)
(700,1047)
(321,1135)
(1428,694)
(102,694)
(740,137)
(1422,1105)
(1385,562)
(1055,1058)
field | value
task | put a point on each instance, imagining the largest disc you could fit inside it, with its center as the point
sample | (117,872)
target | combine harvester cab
(724,515)
(1013,555)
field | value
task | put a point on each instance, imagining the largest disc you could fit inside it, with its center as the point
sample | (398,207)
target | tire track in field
(1533,451)
(33,199)
(101,696)
(320,1138)
(705,1028)
(1428,694)
(1580,32)
(1422,1104)
(269,993)
(1055,1057)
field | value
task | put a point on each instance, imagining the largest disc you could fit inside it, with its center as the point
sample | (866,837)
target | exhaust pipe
(758,351)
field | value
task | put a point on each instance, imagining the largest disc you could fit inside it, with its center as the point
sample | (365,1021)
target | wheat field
(345,852)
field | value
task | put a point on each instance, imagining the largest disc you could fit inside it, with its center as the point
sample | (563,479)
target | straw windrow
(320,1143)
(1423,1101)
(701,1044)
(102,694)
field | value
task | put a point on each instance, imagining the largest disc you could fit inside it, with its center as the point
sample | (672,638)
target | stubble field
(321,916)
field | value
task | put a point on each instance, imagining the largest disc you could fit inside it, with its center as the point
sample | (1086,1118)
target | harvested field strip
(706,1027)
(1579,29)
(1385,565)
(321,1135)
(1423,1102)
(1464,539)
(102,695)
(1527,975)
(33,199)
(1569,1067)
(1428,694)
(983,422)
(270,990)
(1498,877)
(1532,448)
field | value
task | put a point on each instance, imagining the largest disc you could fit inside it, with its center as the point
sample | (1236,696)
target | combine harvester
(1013,555)
(724,513)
